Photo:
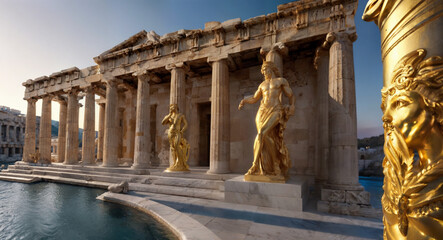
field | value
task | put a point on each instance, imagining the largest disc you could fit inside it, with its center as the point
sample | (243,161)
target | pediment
(137,39)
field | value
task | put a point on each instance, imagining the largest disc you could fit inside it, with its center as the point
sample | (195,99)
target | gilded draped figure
(178,144)
(413,122)
(271,158)
(412,105)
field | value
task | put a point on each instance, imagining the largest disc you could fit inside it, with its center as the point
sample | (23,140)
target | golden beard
(412,196)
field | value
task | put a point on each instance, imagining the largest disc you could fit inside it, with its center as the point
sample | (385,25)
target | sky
(40,37)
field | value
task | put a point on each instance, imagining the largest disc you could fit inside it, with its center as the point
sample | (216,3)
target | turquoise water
(58,211)
(374,185)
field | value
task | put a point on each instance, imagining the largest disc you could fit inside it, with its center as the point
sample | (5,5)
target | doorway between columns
(204,110)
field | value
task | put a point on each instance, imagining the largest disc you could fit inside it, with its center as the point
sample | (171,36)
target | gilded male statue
(413,122)
(271,158)
(178,144)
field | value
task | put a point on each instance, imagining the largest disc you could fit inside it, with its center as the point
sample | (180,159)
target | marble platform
(292,195)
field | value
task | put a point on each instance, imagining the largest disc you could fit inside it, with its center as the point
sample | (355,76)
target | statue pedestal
(291,195)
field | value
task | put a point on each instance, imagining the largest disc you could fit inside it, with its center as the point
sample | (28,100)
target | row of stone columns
(15,137)
(67,148)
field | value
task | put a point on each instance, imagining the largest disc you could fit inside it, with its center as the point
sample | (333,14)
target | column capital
(331,37)
(278,47)
(31,100)
(146,75)
(72,90)
(218,58)
(181,65)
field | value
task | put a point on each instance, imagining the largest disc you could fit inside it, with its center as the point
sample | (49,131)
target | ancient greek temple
(207,72)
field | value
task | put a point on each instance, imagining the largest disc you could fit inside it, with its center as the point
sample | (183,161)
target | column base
(346,200)
(218,171)
(109,165)
(140,166)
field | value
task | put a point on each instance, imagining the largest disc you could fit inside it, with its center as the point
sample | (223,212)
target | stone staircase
(195,184)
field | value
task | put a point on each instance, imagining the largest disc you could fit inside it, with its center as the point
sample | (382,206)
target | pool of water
(58,211)
(374,185)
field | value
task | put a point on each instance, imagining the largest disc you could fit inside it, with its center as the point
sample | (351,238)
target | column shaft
(142,149)
(343,167)
(177,94)
(219,152)
(45,131)
(71,156)
(29,147)
(101,131)
(88,145)
(61,143)
(110,150)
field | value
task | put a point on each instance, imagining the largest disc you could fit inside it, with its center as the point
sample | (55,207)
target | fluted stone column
(88,145)
(322,116)
(342,194)
(45,131)
(343,164)
(142,149)
(129,123)
(178,85)
(101,131)
(7,133)
(110,142)
(219,152)
(71,156)
(61,143)
(29,147)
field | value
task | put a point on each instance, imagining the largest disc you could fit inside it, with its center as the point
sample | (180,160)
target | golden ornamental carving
(413,166)
(271,157)
(377,10)
(178,145)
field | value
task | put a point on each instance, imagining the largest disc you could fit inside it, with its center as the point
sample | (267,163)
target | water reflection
(57,211)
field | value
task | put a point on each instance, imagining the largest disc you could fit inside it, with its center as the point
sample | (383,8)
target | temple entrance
(204,110)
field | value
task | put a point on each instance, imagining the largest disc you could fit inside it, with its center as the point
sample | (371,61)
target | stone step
(4,177)
(21,169)
(178,191)
(194,175)
(117,170)
(188,182)
(16,177)
(13,170)
(65,174)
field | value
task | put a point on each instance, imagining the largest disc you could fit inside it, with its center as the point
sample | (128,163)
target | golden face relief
(267,72)
(407,112)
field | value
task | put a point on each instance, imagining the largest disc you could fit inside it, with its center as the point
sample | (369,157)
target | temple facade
(207,72)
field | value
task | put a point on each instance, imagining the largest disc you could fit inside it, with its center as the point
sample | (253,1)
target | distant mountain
(54,131)
(372,142)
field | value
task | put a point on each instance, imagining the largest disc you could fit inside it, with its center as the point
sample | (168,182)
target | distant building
(12,130)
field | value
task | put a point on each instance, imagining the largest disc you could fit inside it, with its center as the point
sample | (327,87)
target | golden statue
(271,158)
(178,144)
(412,104)
(413,122)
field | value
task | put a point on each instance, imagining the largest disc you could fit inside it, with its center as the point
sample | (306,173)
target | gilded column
(101,131)
(142,149)
(61,143)
(412,105)
(71,155)
(219,152)
(45,131)
(110,142)
(88,145)
(29,147)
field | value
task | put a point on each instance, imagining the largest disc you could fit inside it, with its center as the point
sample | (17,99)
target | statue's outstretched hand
(242,103)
